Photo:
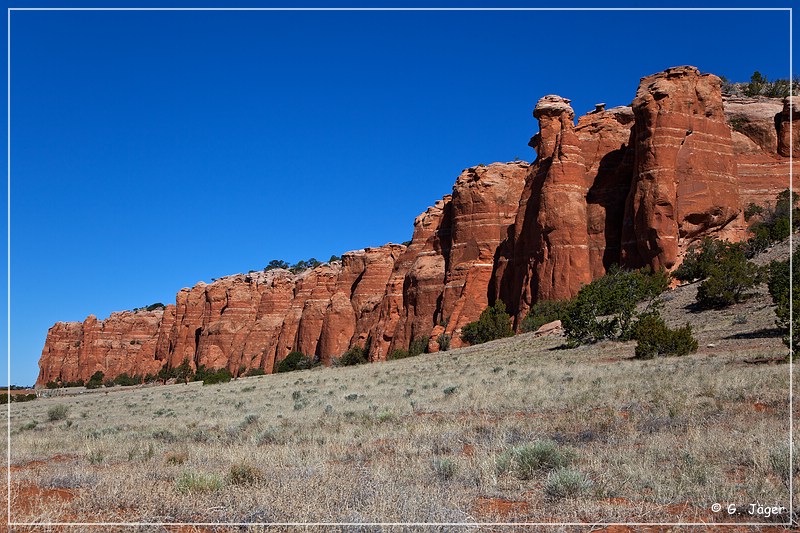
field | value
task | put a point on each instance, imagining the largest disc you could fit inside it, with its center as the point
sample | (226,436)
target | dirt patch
(37,463)
(28,498)
(188,529)
(629,529)
(500,507)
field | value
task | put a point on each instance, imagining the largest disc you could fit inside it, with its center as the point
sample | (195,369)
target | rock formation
(485,201)
(630,185)
(684,171)
(125,342)
(789,128)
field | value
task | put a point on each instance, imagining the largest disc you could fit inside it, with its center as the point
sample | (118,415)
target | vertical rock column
(684,170)
(789,134)
(485,202)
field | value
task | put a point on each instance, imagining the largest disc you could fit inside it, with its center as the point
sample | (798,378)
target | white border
(393,524)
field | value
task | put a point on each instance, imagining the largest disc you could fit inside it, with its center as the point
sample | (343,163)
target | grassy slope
(420,439)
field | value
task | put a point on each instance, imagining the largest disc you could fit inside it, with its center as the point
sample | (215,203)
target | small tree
(220,375)
(418,346)
(729,276)
(772,224)
(444,342)
(96,381)
(354,356)
(778,284)
(607,307)
(757,84)
(699,259)
(294,361)
(183,372)
(494,323)
(275,264)
(124,380)
(656,339)
(542,312)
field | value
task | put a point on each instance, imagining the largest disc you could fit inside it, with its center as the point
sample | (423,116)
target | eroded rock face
(756,118)
(238,322)
(626,185)
(685,172)
(789,129)
(605,140)
(547,255)
(485,201)
(409,305)
(125,342)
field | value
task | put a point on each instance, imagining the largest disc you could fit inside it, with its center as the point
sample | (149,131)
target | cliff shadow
(609,193)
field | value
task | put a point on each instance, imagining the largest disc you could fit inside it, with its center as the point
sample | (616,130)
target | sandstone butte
(631,185)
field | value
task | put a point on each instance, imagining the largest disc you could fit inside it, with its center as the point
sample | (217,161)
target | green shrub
(729,278)
(293,361)
(59,384)
(57,412)
(759,241)
(761,86)
(164,435)
(782,466)
(606,308)
(354,356)
(656,339)
(444,469)
(276,263)
(196,482)
(778,285)
(753,210)
(255,372)
(566,483)
(124,380)
(418,346)
(271,435)
(96,381)
(399,353)
(244,474)
(525,460)
(757,84)
(183,372)
(222,375)
(726,272)
(443,340)
(543,312)
(4,398)
(166,373)
(699,259)
(773,224)
(304,265)
(157,305)
(494,323)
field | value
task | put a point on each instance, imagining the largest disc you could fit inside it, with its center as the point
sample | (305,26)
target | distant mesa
(630,185)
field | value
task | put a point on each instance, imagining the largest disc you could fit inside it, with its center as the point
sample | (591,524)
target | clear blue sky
(152,150)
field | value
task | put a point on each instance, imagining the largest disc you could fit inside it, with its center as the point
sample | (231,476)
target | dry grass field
(517,430)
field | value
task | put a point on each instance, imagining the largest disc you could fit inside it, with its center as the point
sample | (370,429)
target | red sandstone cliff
(628,185)
(685,175)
